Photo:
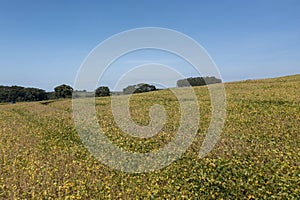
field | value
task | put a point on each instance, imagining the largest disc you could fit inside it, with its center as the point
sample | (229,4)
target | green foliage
(139,88)
(102,91)
(17,94)
(197,81)
(51,95)
(257,156)
(63,91)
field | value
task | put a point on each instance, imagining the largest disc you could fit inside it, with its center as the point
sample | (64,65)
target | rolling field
(257,156)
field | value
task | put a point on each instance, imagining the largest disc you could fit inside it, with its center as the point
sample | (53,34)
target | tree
(197,81)
(63,91)
(17,93)
(139,88)
(51,95)
(102,91)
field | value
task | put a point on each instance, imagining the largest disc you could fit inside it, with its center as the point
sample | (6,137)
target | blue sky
(43,43)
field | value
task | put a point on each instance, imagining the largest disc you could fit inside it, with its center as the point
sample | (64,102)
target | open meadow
(257,156)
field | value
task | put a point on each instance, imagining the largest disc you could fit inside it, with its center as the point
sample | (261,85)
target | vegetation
(102,91)
(139,88)
(63,91)
(51,95)
(257,156)
(197,81)
(18,93)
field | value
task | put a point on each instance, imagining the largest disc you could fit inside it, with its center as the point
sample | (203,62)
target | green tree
(197,81)
(139,88)
(102,91)
(18,93)
(63,91)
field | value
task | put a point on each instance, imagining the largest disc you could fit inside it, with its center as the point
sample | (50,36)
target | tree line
(14,94)
(197,81)
(17,93)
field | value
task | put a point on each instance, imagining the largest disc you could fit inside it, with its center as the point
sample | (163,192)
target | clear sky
(44,42)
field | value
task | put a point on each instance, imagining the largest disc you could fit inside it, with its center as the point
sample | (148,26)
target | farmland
(256,157)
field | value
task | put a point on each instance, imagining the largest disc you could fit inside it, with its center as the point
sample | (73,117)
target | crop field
(256,157)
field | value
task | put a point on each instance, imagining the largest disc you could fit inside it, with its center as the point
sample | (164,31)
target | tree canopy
(18,93)
(102,91)
(197,81)
(63,91)
(139,88)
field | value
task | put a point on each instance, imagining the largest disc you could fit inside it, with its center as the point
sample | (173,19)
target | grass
(257,156)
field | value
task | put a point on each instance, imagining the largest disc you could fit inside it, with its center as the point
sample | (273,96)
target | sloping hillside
(257,156)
